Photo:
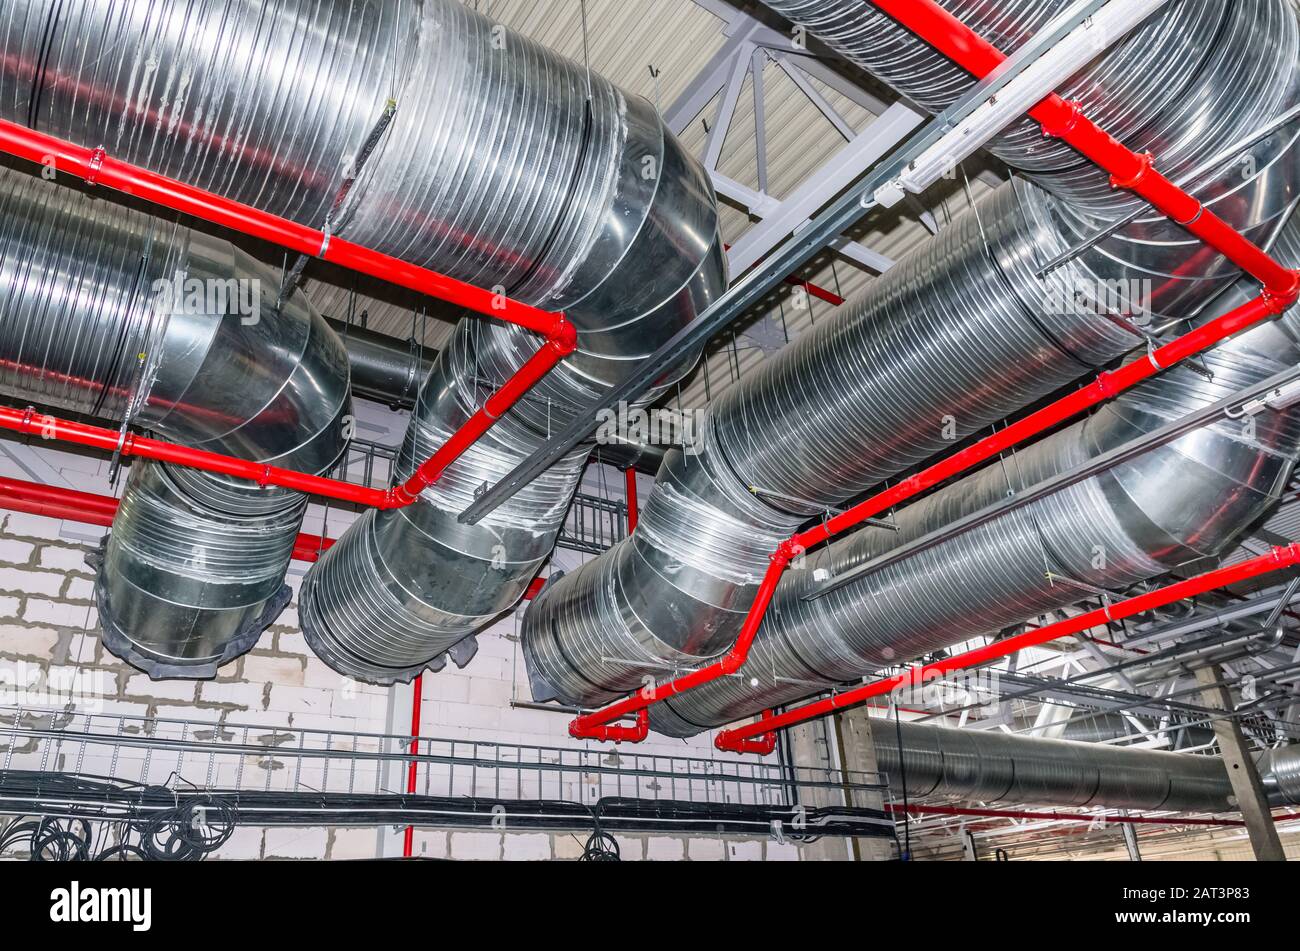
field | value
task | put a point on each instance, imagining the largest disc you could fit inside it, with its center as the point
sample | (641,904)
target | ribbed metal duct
(1181,86)
(626,243)
(1102,727)
(1188,86)
(1184,500)
(1280,771)
(496,168)
(109,312)
(957,336)
(989,766)
(857,399)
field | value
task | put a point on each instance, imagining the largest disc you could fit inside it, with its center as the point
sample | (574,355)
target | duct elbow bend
(193,568)
(192,571)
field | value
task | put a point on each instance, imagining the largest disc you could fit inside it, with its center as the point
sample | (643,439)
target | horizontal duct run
(1174,503)
(962,333)
(383,368)
(523,173)
(109,312)
(988,766)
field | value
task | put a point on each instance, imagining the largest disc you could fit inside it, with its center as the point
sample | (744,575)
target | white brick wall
(48,622)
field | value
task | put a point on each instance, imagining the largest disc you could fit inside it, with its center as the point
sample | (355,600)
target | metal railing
(228,757)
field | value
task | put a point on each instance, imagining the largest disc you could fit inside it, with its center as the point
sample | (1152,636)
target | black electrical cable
(902,771)
(166,824)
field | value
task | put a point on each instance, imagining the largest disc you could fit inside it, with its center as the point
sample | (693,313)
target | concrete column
(1246,785)
(857,753)
(811,753)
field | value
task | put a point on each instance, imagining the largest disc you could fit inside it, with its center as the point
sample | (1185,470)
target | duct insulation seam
(110,312)
(958,335)
(510,177)
(1171,504)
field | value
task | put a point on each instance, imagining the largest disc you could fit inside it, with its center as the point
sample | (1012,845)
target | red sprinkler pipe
(629,491)
(417,695)
(87,508)
(32,422)
(95,167)
(1107,384)
(1276,560)
(1066,121)
(53,502)
(90,509)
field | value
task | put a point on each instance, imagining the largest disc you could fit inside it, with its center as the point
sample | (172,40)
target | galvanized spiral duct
(955,337)
(590,206)
(1280,771)
(1182,86)
(263,102)
(989,766)
(857,399)
(1177,502)
(113,313)
(503,165)
(1191,85)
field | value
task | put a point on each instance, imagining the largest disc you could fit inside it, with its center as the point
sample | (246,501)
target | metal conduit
(110,312)
(1178,502)
(954,338)
(523,173)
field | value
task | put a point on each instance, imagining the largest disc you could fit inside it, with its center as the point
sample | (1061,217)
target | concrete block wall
(48,635)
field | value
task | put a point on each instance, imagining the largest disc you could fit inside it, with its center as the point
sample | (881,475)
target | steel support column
(1252,801)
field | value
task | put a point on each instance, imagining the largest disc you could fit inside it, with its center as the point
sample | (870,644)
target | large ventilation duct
(989,766)
(1182,86)
(627,245)
(112,313)
(520,172)
(1280,771)
(1181,501)
(857,399)
(382,368)
(1188,86)
(959,335)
